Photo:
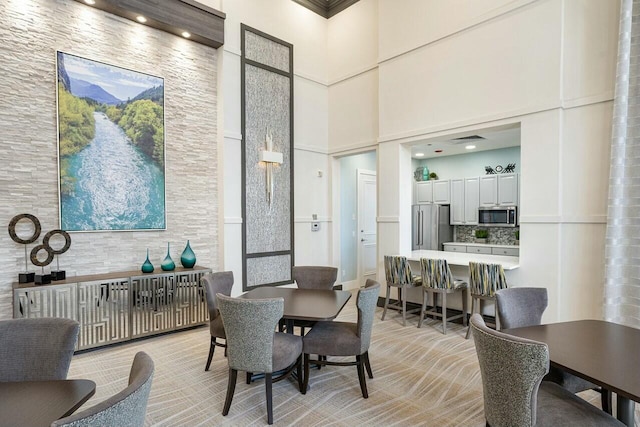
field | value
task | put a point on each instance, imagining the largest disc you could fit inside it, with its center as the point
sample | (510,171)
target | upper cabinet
(456,210)
(499,190)
(471,200)
(432,192)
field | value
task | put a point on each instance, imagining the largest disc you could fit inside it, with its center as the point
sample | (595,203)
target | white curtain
(622,274)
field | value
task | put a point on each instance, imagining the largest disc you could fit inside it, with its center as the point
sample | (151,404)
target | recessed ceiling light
(419,154)
(186,34)
(91,2)
(470,147)
(141,19)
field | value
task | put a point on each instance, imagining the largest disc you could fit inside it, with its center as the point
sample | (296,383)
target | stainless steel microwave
(498,216)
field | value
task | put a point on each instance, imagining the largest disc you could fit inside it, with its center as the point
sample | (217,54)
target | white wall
(470,164)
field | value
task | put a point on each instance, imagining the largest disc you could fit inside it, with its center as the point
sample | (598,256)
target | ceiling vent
(466,139)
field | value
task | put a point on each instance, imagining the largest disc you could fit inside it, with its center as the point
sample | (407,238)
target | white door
(367,225)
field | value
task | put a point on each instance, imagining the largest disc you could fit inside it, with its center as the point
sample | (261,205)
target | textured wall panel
(31,33)
(267,106)
(272,269)
(266,52)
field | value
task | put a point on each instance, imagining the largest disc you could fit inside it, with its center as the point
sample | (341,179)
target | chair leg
(404,306)
(367,364)
(281,325)
(605,398)
(249,375)
(386,302)
(268,384)
(443,297)
(361,377)
(424,307)
(473,304)
(231,388)
(464,307)
(305,383)
(299,372)
(212,348)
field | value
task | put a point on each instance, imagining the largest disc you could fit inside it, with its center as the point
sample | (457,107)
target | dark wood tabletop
(305,304)
(39,403)
(604,353)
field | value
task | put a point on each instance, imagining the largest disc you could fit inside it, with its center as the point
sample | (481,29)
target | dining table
(604,353)
(304,304)
(39,403)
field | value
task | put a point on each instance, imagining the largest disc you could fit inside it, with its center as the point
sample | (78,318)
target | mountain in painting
(84,89)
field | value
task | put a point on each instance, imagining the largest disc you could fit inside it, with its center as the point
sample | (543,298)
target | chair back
(126,408)
(366,302)
(314,277)
(250,327)
(486,279)
(436,274)
(216,283)
(512,369)
(520,307)
(397,270)
(36,349)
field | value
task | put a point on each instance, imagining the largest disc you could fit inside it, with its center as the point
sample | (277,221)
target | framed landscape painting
(111,145)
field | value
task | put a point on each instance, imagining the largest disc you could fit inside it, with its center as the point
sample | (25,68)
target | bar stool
(484,281)
(438,280)
(399,275)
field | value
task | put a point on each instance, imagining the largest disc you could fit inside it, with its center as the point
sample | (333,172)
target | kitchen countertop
(490,245)
(463,258)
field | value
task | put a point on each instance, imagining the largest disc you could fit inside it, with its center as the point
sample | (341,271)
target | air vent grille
(466,139)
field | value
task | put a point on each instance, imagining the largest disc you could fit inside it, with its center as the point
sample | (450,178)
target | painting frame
(111,146)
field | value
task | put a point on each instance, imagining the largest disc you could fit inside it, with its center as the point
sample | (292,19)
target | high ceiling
(483,140)
(326,8)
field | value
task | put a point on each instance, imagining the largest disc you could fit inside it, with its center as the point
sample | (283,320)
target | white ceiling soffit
(483,140)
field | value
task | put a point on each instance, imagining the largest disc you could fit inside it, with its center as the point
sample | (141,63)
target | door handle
(421,229)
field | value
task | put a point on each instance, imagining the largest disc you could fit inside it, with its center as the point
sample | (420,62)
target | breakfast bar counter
(463,259)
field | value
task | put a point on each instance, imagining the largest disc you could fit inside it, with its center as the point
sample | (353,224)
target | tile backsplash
(497,235)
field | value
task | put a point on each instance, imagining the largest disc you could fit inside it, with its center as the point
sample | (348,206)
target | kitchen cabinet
(471,200)
(480,248)
(432,191)
(457,202)
(499,190)
(455,248)
(505,251)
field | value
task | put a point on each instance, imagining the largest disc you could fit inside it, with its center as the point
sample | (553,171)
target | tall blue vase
(167,263)
(188,258)
(147,267)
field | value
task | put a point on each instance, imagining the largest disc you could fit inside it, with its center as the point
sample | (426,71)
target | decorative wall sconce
(270,157)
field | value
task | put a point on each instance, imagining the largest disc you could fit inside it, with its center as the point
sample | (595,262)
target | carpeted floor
(421,377)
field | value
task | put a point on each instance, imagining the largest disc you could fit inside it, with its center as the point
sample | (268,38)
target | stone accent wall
(31,33)
(497,235)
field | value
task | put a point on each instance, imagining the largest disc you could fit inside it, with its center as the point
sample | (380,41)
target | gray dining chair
(216,283)
(345,339)
(253,346)
(398,275)
(125,408)
(522,307)
(37,349)
(512,369)
(437,280)
(484,281)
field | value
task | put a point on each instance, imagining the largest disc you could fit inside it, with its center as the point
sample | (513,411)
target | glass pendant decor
(147,267)
(167,263)
(188,258)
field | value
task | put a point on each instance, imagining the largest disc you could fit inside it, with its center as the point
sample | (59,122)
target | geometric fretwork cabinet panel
(121,306)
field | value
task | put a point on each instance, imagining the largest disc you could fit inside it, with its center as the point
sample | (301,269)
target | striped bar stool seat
(399,275)
(437,280)
(484,281)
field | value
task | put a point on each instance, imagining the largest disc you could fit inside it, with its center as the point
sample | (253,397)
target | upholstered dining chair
(36,349)
(311,277)
(126,408)
(344,338)
(398,275)
(216,283)
(522,307)
(512,369)
(484,281)
(253,346)
(437,280)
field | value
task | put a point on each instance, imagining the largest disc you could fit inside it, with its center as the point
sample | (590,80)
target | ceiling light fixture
(141,19)
(186,34)
(470,147)
(90,2)
(419,154)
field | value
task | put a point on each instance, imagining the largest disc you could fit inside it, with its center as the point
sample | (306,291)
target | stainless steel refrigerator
(431,227)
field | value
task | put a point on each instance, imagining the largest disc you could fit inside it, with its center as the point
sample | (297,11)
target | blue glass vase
(188,258)
(167,263)
(147,267)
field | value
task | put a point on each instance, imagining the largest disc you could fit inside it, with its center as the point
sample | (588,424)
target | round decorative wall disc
(34,256)
(14,235)
(67,241)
